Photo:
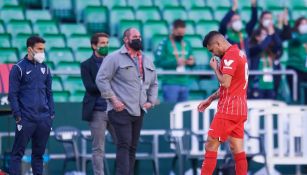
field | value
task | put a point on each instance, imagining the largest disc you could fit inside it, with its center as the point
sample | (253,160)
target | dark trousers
(127,129)
(38,132)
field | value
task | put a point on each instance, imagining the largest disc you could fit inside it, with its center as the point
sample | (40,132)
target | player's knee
(212,145)
(236,147)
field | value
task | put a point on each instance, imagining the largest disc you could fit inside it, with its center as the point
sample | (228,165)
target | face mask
(103,50)
(39,57)
(237,25)
(178,37)
(136,44)
(302,29)
(266,23)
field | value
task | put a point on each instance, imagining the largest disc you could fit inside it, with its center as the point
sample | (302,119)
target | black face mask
(136,44)
(178,37)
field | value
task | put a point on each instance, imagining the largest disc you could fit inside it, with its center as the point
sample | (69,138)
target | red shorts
(222,128)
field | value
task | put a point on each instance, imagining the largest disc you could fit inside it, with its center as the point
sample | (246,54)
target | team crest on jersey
(43,70)
(228,64)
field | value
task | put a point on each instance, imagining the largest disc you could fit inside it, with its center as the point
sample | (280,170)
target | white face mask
(266,23)
(39,57)
(237,25)
(302,28)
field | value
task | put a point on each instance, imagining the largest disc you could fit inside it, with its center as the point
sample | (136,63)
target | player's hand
(254,3)
(147,105)
(181,62)
(190,61)
(204,104)
(234,5)
(117,104)
(213,63)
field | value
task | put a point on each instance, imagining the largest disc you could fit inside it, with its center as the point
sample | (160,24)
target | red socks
(209,163)
(241,163)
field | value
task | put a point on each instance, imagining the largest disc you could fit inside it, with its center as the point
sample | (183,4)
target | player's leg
(209,162)
(236,144)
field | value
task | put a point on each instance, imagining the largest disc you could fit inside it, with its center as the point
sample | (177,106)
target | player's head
(300,25)
(133,39)
(35,46)
(235,23)
(216,43)
(178,29)
(100,44)
(266,19)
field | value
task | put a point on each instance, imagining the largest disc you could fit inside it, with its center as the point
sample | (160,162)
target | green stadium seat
(197,95)
(276,11)
(194,3)
(210,85)
(8,2)
(246,4)
(8,13)
(80,5)
(57,83)
(220,12)
(8,55)
(69,29)
(190,27)
(35,15)
(200,13)
(45,27)
(170,14)
(137,3)
(202,58)
(245,13)
(20,41)
(193,85)
(73,84)
(195,40)
(57,55)
(166,3)
(83,53)
(114,42)
(298,12)
(203,27)
(125,24)
(298,4)
(272,4)
(34,4)
(77,40)
(113,3)
(220,3)
(156,40)
(68,67)
(5,40)
(62,9)
(61,96)
(50,64)
(2,29)
(15,27)
(77,96)
(148,13)
(117,14)
(53,40)
(151,28)
(96,19)
(22,53)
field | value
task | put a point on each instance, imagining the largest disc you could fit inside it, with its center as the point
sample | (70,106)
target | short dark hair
(209,37)
(96,36)
(264,13)
(178,23)
(127,32)
(32,40)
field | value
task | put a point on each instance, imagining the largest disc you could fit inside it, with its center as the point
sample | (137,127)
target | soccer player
(228,123)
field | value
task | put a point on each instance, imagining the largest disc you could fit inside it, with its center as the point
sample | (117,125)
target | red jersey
(232,100)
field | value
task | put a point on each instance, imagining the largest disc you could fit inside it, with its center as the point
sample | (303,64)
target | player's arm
(204,104)
(224,79)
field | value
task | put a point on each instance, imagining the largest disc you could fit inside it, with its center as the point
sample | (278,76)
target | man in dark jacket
(94,106)
(31,101)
